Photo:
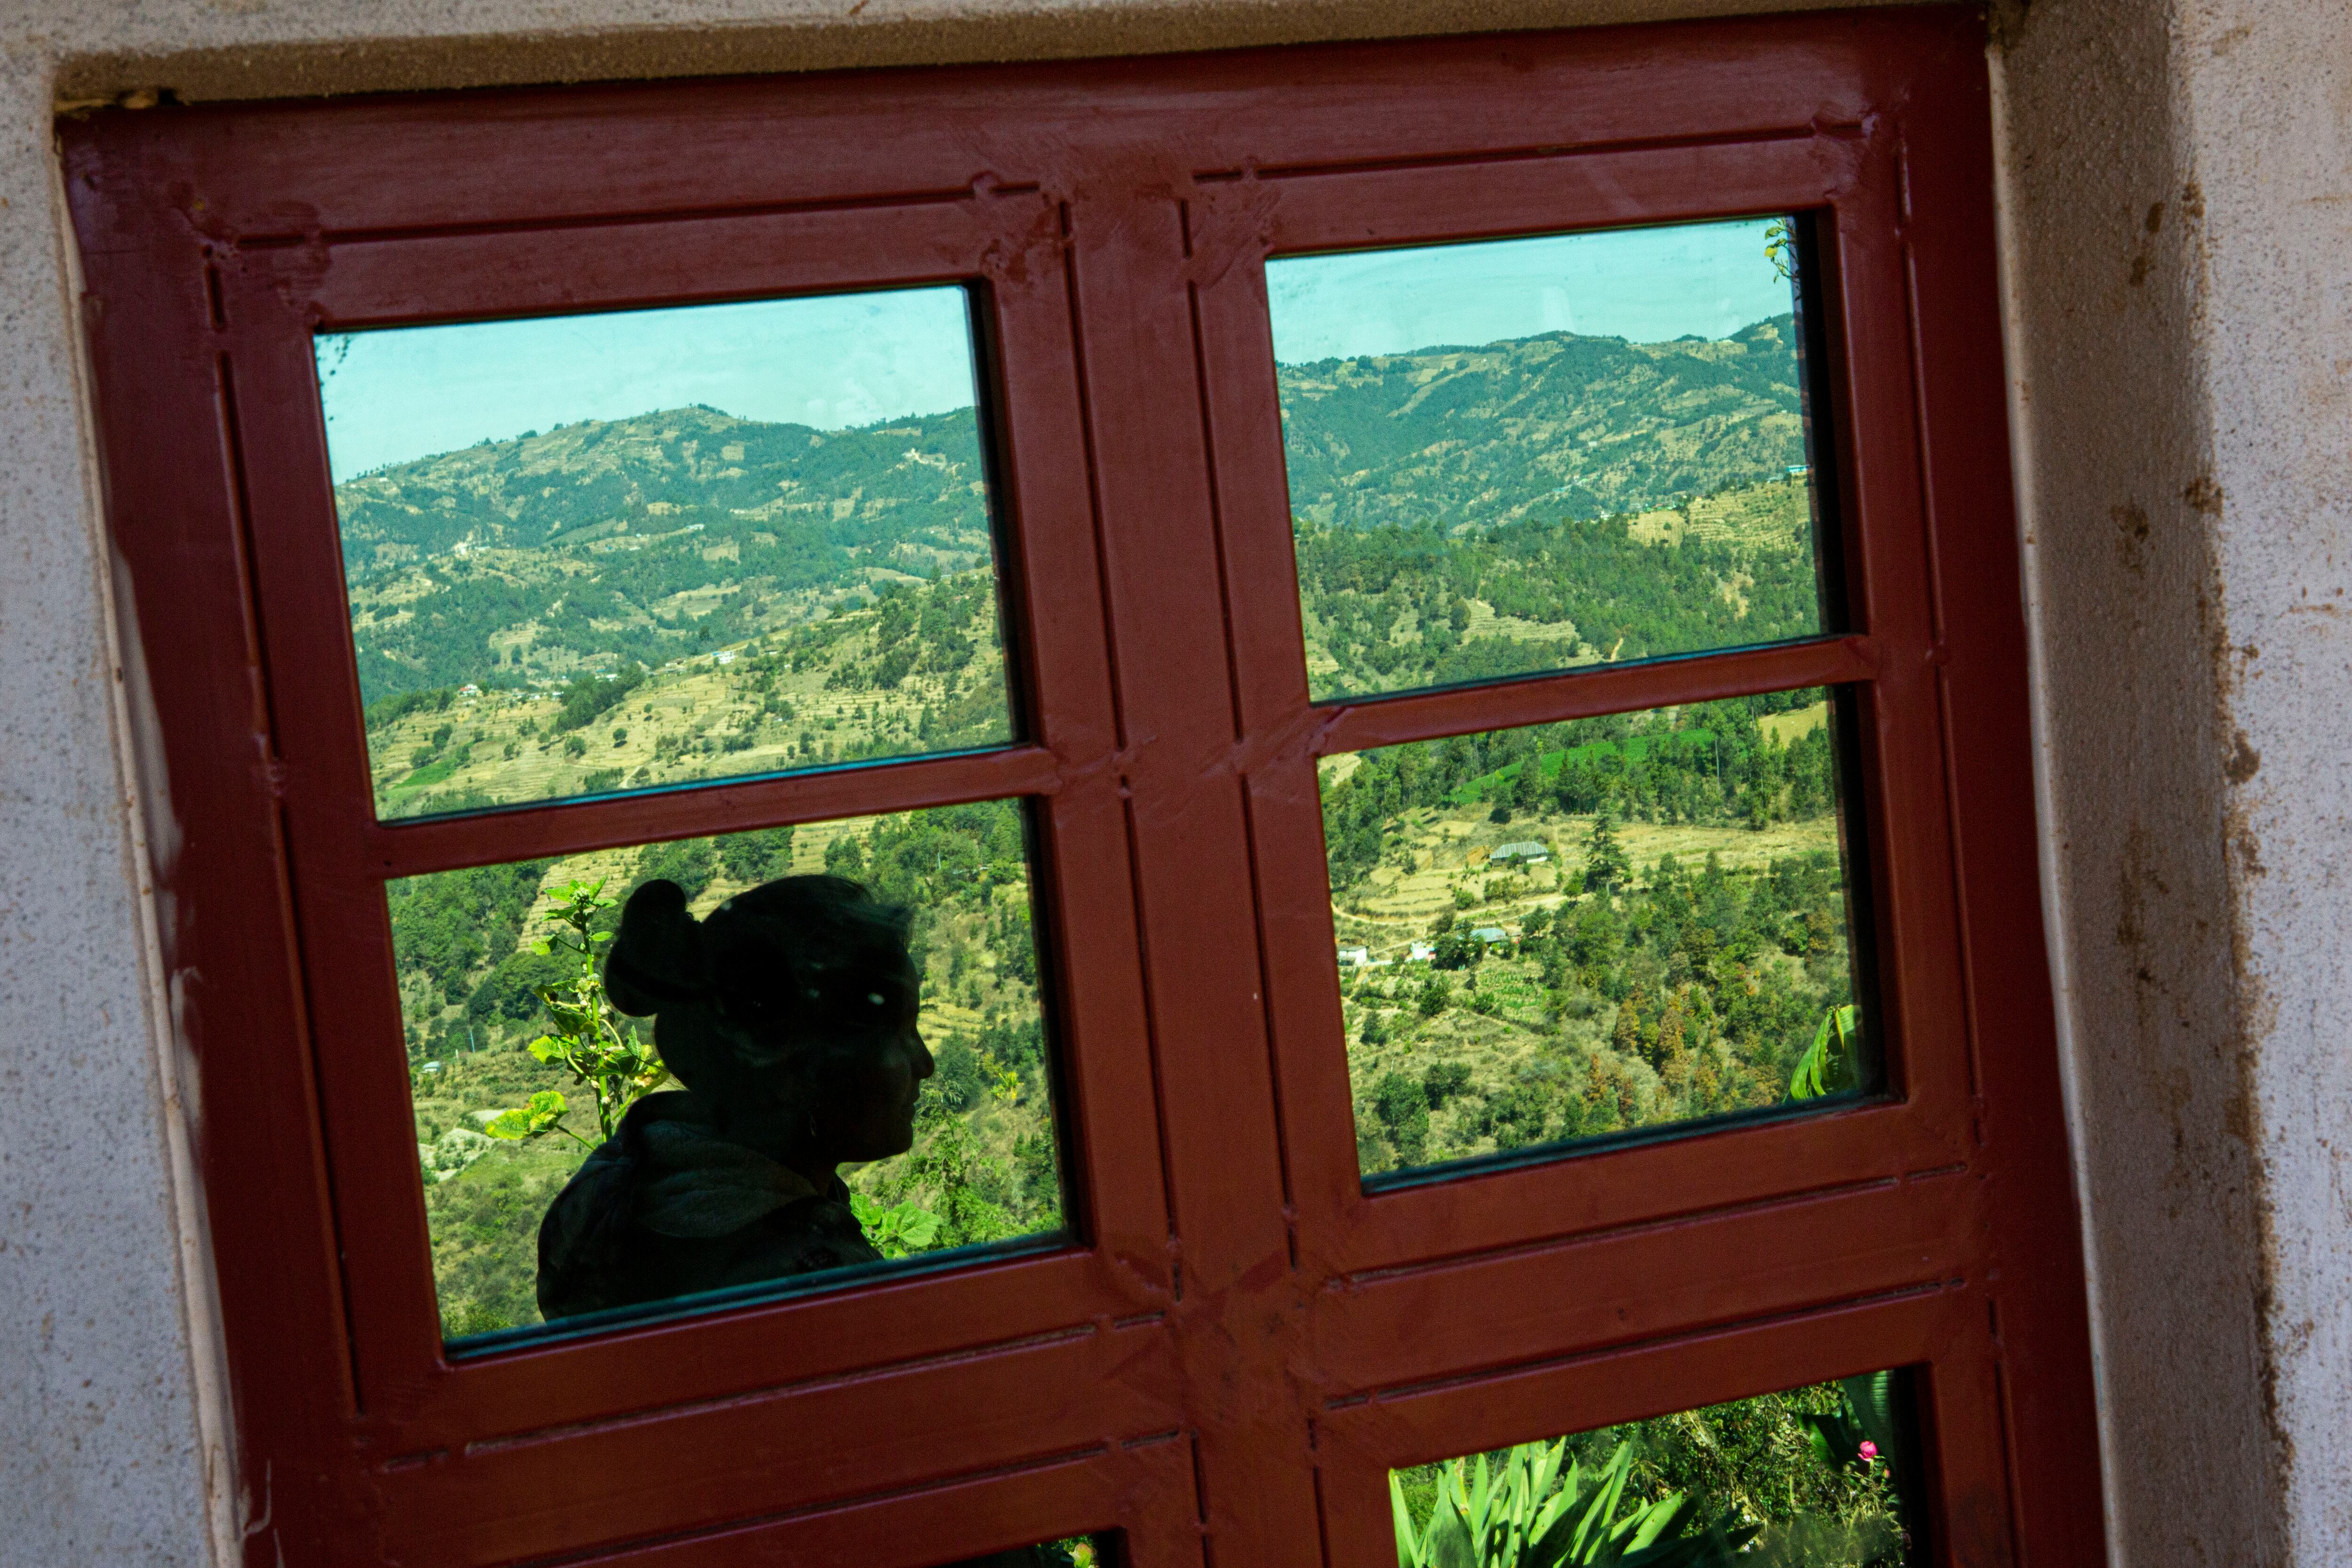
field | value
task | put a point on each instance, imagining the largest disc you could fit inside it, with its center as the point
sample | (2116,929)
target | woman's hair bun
(659,960)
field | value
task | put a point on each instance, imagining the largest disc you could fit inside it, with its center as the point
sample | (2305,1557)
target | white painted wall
(2269,100)
(2186,470)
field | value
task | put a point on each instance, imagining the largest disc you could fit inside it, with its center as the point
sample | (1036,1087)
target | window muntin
(1562,932)
(1819,1477)
(636,549)
(1512,455)
(533,236)
(498,1006)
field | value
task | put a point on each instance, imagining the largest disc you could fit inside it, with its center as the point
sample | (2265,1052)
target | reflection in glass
(1523,455)
(672,1092)
(1812,1477)
(599,552)
(1572,931)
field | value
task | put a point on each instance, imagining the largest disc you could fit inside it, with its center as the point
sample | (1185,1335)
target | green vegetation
(672,597)
(642,539)
(685,595)
(600,1049)
(1804,1477)
(500,1028)
(1570,931)
(1464,514)
(1534,1514)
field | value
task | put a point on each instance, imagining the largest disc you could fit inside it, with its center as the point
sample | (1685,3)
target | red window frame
(1240,1340)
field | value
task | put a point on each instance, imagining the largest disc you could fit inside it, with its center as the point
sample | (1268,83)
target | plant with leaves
(1832,1063)
(589,1038)
(898,1231)
(1532,1514)
(948,1165)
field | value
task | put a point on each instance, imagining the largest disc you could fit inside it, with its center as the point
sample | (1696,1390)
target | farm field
(1573,933)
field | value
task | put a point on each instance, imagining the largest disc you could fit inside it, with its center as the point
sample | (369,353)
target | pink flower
(1869,1452)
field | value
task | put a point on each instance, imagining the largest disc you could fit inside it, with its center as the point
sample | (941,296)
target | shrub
(1443,1080)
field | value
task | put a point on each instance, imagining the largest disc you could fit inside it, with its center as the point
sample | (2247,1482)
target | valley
(687,597)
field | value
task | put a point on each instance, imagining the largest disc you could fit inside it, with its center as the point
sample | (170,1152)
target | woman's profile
(789,1017)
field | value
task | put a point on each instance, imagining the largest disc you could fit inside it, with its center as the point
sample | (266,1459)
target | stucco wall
(2179,199)
(2176,196)
(2269,101)
(2106,227)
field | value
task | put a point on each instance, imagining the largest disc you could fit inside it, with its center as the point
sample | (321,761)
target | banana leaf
(1829,1065)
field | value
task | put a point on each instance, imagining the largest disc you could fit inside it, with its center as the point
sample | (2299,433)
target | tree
(1606,864)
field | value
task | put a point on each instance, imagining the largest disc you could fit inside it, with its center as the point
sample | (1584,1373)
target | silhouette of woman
(789,1016)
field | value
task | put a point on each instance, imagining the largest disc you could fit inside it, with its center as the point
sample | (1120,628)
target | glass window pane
(1579,931)
(590,553)
(1822,1477)
(1516,455)
(728,1103)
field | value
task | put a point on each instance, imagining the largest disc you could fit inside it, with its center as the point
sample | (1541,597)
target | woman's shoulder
(667,1207)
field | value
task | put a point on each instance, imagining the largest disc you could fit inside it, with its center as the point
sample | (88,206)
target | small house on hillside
(1355,957)
(727,656)
(1490,935)
(1527,852)
(1420,953)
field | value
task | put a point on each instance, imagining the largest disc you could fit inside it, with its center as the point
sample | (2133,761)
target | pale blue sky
(830,362)
(1646,285)
(853,359)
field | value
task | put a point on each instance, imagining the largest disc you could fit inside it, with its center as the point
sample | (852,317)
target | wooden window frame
(1240,1340)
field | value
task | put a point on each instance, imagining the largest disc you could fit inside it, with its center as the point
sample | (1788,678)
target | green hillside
(642,540)
(1575,426)
(1464,514)
(685,595)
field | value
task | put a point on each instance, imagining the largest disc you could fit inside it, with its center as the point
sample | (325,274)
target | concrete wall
(2176,196)
(2178,200)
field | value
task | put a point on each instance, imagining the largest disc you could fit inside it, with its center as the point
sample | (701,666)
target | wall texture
(2109,239)
(2268,96)
(2179,200)
(2177,193)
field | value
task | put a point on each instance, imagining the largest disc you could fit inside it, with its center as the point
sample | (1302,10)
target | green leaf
(920,1227)
(1870,1402)
(1448,1541)
(1828,1066)
(1408,1548)
(508,1125)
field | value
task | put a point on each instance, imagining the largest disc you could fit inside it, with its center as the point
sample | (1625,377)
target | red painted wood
(517,158)
(1358,724)
(1238,1339)
(1404,1325)
(2044,1368)
(1191,833)
(1139,1491)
